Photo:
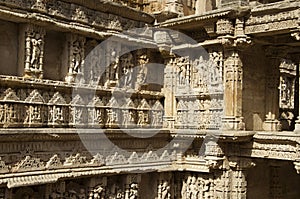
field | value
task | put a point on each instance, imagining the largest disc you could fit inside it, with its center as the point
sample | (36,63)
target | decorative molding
(28,164)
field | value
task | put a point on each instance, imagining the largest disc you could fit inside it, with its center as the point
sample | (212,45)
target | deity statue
(36,46)
(114,67)
(142,71)
(127,70)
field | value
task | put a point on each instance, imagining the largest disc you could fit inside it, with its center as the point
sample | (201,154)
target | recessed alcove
(8,48)
(55,56)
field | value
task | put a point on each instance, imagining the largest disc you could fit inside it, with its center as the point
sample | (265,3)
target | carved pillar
(233,75)
(239,168)
(33,50)
(169,89)
(272,101)
(76,46)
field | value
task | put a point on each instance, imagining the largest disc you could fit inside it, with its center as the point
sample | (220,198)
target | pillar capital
(238,163)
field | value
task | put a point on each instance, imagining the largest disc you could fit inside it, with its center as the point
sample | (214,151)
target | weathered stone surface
(150,113)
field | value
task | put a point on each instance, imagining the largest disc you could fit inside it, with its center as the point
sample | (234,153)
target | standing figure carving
(133,192)
(142,71)
(114,70)
(76,57)
(164,191)
(34,51)
(127,67)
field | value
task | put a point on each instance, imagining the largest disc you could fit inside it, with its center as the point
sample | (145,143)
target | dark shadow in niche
(55,58)
(9,35)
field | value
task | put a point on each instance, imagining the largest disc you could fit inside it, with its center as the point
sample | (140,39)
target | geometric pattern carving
(116,159)
(27,164)
(54,162)
(97,160)
(75,160)
(35,97)
(9,95)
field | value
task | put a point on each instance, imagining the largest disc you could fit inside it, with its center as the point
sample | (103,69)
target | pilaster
(169,91)
(272,98)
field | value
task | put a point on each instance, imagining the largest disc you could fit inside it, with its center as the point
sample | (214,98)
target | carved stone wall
(130,130)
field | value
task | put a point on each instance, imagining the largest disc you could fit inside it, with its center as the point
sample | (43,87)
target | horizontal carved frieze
(76,13)
(272,22)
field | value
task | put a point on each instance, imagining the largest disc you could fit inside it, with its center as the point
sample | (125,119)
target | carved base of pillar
(70,78)
(112,125)
(232,123)
(33,74)
(271,125)
(297,126)
(168,122)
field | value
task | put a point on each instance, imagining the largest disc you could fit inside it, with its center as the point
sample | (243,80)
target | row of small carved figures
(37,115)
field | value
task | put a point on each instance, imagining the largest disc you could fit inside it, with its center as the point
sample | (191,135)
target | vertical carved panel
(96,112)
(10,109)
(36,111)
(57,111)
(34,51)
(113,71)
(76,46)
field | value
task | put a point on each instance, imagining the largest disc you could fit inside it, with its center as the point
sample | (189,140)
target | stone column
(233,89)
(233,86)
(272,98)
(32,51)
(239,167)
(169,89)
(233,76)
